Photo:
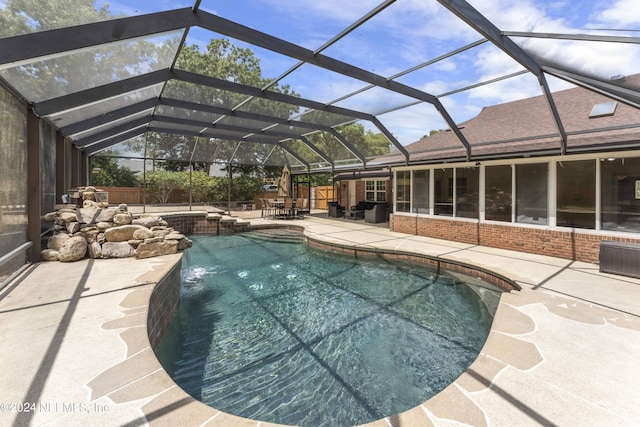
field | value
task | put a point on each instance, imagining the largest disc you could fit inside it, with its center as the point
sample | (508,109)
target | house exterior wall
(360,191)
(606,210)
(344,193)
(568,244)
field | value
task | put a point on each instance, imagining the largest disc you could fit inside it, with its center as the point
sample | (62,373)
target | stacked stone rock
(98,231)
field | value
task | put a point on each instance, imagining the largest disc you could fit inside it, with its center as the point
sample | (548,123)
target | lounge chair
(335,210)
(377,213)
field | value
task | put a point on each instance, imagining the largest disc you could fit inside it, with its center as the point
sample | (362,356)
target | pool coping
(488,393)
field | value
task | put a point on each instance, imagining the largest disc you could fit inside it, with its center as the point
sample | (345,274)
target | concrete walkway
(565,350)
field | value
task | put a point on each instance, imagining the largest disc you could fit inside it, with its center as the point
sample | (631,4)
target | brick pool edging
(504,283)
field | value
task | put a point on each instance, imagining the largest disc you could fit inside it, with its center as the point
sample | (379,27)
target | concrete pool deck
(565,350)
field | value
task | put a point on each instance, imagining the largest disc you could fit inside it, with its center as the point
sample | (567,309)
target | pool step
(276,234)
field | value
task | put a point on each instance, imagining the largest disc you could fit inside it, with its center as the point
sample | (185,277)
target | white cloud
(436,86)
(520,87)
(409,125)
(622,13)
(415,29)
(523,15)
(597,59)
(334,10)
(493,62)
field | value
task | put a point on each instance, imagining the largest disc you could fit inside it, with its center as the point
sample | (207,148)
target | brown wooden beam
(34,189)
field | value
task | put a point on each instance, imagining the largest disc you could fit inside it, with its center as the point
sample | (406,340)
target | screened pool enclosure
(110,78)
(317,86)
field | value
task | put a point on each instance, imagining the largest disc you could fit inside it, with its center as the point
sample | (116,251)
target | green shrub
(161,183)
(243,188)
(204,188)
(202,185)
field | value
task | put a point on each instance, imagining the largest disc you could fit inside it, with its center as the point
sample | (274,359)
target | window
(498,198)
(531,193)
(620,199)
(375,191)
(421,191)
(467,185)
(576,189)
(443,192)
(403,191)
(603,109)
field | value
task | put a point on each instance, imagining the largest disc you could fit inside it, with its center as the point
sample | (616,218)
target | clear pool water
(285,333)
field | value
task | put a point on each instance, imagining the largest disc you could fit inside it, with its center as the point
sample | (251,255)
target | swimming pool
(281,332)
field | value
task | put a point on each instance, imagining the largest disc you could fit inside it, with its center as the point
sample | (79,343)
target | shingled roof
(526,128)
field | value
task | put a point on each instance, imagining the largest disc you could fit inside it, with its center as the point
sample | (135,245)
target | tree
(377,143)
(431,132)
(162,183)
(107,172)
(78,70)
(199,183)
(243,188)
(222,60)
(25,16)
(368,144)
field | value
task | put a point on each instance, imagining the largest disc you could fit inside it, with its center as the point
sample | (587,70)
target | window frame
(376,190)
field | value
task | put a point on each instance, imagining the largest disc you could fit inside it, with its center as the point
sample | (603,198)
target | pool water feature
(281,332)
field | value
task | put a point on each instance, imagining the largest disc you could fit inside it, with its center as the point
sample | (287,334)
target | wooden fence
(323,195)
(129,195)
(133,196)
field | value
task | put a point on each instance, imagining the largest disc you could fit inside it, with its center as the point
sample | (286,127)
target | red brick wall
(574,245)
(359,191)
(449,229)
(404,224)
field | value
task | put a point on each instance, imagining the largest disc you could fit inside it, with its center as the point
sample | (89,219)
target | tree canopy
(220,58)
(107,172)
(26,16)
(77,71)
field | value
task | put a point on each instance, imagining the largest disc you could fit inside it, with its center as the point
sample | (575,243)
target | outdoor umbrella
(285,183)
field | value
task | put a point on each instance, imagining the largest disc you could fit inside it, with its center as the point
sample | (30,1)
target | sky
(410,32)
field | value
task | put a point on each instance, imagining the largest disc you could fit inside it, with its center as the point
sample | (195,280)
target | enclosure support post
(34,188)
(229,189)
(144,176)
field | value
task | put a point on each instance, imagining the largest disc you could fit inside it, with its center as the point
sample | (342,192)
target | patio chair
(335,210)
(264,206)
(302,206)
(271,208)
(288,208)
(276,204)
(376,214)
